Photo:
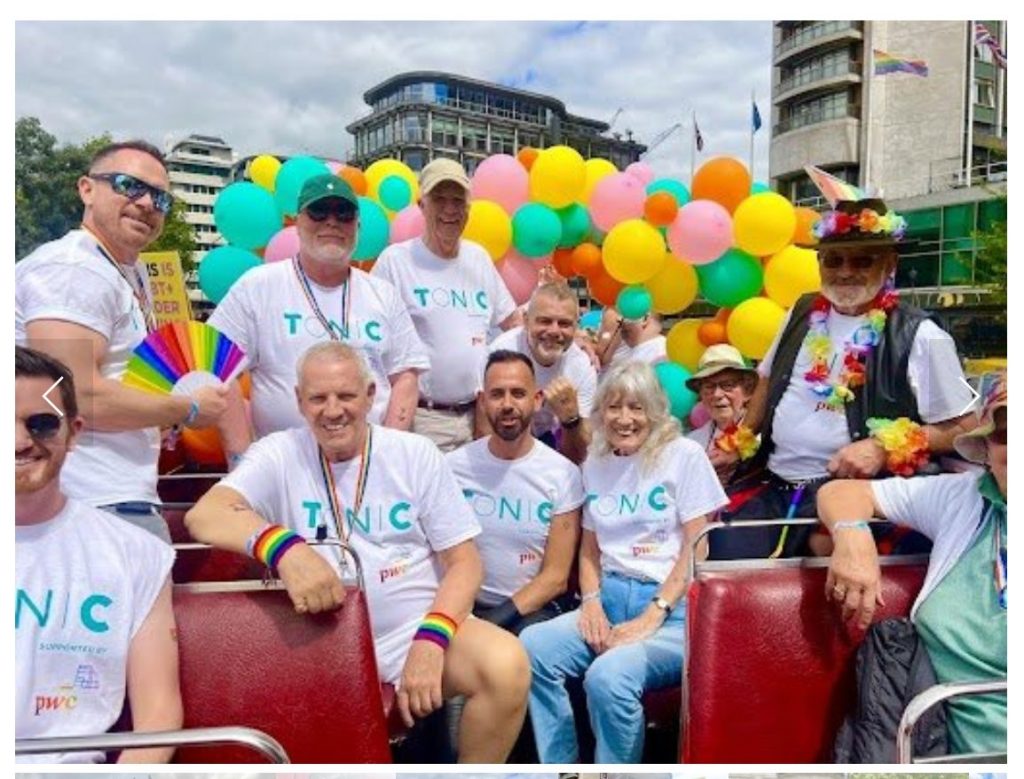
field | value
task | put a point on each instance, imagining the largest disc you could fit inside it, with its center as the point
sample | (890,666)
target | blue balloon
(634,302)
(373,230)
(681,399)
(676,189)
(245,214)
(290,178)
(591,320)
(759,186)
(222,267)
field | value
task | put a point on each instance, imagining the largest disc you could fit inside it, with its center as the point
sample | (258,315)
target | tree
(990,267)
(177,236)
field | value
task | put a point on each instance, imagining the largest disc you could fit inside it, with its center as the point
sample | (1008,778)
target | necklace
(345,300)
(139,293)
(337,510)
(836,394)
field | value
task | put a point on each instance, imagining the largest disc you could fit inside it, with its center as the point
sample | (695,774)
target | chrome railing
(931,697)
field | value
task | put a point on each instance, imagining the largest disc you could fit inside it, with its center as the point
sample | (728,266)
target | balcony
(808,118)
(815,33)
(816,78)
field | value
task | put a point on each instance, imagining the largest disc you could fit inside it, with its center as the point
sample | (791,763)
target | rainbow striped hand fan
(182,357)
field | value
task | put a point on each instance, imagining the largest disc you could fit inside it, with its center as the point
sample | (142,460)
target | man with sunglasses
(277,311)
(93,618)
(85,299)
(850,354)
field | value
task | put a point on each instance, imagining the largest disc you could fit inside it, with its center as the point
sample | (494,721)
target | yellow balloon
(633,251)
(557,176)
(753,325)
(674,287)
(683,345)
(764,223)
(381,169)
(490,227)
(263,170)
(791,273)
(596,169)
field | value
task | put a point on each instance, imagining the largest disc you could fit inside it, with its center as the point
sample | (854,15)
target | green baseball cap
(323,187)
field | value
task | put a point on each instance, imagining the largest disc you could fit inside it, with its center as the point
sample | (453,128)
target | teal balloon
(222,267)
(597,236)
(591,320)
(731,279)
(246,215)
(676,189)
(290,178)
(536,230)
(373,230)
(758,187)
(394,193)
(575,225)
(681,399)
(634,302)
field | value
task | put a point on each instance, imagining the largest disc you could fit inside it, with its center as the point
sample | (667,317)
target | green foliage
(990,268)
(177,236)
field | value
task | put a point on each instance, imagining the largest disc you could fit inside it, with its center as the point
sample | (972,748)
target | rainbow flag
(833,189)
(887,63)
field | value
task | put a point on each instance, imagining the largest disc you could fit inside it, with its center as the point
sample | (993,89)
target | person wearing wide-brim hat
(960,613)
(848,363)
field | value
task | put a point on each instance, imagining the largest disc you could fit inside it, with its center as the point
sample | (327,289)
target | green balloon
(676,189)
(395,193)
(245,214)
(634,302)
(758,187)
(222,267)
(575,225)
(536,230)
(373,230)
(681,399)
(732,278)
(290,178)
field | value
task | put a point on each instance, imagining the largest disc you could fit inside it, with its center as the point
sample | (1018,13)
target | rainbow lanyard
(332,490)
(1000,565)
(345,301)
(139,294)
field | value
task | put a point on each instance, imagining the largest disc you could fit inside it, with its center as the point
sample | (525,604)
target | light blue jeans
(614,681)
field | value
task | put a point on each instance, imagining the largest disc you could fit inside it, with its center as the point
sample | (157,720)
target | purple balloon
(701,232)
(408,223)
(642,171)
(283,246)
(502,179)
(617,197)
(699,416)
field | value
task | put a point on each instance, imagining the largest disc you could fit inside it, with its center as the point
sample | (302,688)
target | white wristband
(855,524)
(591,596)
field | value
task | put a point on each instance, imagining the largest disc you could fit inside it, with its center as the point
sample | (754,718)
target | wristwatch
(661,603)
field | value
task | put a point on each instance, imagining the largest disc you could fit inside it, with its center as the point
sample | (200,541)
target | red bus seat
(769,670)
(201,563)
(311,682)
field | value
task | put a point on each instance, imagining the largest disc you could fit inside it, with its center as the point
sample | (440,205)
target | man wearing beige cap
(455,297)
(277,311)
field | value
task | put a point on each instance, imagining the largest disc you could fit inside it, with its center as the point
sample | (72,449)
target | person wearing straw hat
(723,383)
(960,613)
(856,384)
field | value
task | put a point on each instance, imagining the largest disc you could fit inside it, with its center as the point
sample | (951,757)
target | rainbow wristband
(437,628)
(272,543)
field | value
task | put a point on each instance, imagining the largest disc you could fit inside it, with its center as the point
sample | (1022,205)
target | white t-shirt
(651,352)
(70,280)
(268,315)
(453,304)
(514,501)
(412,508)
(806,434)
(574,365)
(638,512)
(946,508)
(86,581)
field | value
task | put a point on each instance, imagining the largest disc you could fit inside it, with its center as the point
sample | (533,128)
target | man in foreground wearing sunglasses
(278,310)
(857,384)
(85,299)
(93,618)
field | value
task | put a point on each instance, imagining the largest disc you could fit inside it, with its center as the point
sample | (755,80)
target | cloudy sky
(292,87)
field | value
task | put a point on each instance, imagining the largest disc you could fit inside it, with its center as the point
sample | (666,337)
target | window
(414,128)
(415,159)
(984,92)
(445,132)
(474,137)
(834,63)
(822,108)
(501,141)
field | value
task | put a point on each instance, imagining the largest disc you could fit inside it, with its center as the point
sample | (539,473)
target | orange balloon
(355,178)
(660,209)
(562,261)
(526,156)
(723,315)
(245,384)
(365,265)
(806,218)
(586,260)
(603,288)
(725,180)
(203,446)
(711,333)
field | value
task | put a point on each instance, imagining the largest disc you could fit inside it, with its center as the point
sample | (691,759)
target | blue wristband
(193,413)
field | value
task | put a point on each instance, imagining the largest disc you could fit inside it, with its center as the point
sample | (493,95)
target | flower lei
(904,441)
(837,394)
(740,439)
(868,222)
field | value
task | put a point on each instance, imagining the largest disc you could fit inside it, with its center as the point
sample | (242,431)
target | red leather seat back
(311,682)
(770,665)
(207,564)
(175,519)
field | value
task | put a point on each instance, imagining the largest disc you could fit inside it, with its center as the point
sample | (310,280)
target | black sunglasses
(342,210)
(858,261)
(42,426)
(134,189)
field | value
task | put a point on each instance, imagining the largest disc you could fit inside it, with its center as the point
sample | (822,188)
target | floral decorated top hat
(855,217)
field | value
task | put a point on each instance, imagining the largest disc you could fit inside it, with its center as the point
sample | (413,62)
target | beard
(850,295)
(513,432)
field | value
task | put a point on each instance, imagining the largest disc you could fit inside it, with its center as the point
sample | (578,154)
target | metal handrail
(710,527)
(930,697)
(254,739)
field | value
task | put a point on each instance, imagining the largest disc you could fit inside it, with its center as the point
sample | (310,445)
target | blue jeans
(614,681)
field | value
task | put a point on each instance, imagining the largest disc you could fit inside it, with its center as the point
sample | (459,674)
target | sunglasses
(42,426)
(998,436)
(858,262)
(342,211)
(708,387)
(135,189)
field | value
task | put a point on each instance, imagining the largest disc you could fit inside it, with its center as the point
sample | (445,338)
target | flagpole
(693,145)
(753,103)
(1000,83)
(869,75)
(969,153)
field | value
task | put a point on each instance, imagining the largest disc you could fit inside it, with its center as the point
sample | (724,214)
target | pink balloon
(617,197)
(333,166)
(699,416)
(283,246)
(701,232)
(642,171)
(520,275)
(408,223)
(502,179)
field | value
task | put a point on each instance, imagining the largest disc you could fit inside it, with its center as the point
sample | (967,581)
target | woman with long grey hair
(649,491)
